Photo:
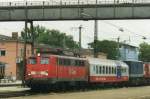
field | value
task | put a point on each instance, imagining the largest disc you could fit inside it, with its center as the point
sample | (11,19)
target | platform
(7,84)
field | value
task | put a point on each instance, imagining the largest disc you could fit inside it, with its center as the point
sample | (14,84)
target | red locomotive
(52,69)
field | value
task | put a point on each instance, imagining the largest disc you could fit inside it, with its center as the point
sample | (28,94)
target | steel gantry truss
(71,10)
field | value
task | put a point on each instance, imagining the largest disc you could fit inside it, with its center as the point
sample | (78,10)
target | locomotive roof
(97,61)
(61,56)
(70,57)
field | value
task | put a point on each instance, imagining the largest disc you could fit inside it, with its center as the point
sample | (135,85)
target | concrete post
(95,38)
(24,55)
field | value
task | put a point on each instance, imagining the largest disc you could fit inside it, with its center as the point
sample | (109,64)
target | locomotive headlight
(29,74)
(33,72)
(44,73)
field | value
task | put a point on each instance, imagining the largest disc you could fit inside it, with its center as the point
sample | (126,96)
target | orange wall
(13,50)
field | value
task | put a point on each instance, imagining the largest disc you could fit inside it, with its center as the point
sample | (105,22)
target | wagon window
(79,63)
(112,70)
(115,70)
(67,62)
(100,69)
(32,61)
(82,63)
(44,61)
(103,69)
(109,70)
(96,69)
(124,70)
(60,61)
(106,70)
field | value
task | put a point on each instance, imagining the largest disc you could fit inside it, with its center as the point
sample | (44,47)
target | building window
(28,51)
(2,53)
(21,52)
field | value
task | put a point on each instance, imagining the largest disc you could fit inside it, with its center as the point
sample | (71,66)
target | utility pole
(24,55)
(118,41)
(25,45)
(64,42)
(32,37)
(80,30)
(95,38)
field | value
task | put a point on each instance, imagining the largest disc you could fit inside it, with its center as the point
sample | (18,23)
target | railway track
(16,94)
(60,90)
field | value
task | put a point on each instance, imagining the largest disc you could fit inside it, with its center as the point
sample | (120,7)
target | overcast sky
(106,29)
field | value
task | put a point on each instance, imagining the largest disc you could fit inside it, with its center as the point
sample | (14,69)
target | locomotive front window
(44,61)
(32,61)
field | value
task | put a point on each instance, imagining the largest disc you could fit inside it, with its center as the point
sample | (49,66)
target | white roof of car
(106,62)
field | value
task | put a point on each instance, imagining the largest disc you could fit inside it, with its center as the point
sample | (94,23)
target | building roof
(4,37)
(133,46)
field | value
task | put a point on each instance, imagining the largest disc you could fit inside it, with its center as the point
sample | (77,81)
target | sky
(107,29)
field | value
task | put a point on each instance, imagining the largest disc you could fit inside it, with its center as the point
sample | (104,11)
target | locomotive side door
(119,74)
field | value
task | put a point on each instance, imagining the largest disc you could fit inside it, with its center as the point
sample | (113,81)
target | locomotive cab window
(44,60)
(32,61)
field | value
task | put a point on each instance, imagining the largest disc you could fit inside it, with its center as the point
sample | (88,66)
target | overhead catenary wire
(122,29)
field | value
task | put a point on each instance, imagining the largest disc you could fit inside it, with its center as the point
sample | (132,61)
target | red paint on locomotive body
(58,68)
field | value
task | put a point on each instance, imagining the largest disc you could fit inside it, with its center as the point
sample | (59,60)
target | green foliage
(53,38)
(108,47)
(144,52)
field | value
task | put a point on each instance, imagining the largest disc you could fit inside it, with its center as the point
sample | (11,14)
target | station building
(129,52)
(11,53)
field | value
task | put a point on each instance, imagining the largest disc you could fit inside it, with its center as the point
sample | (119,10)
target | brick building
(11,53)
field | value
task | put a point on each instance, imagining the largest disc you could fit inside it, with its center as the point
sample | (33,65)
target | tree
(53,38)
(144,52)
(108,47)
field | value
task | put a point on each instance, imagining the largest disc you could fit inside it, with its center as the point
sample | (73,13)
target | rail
(70,2)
